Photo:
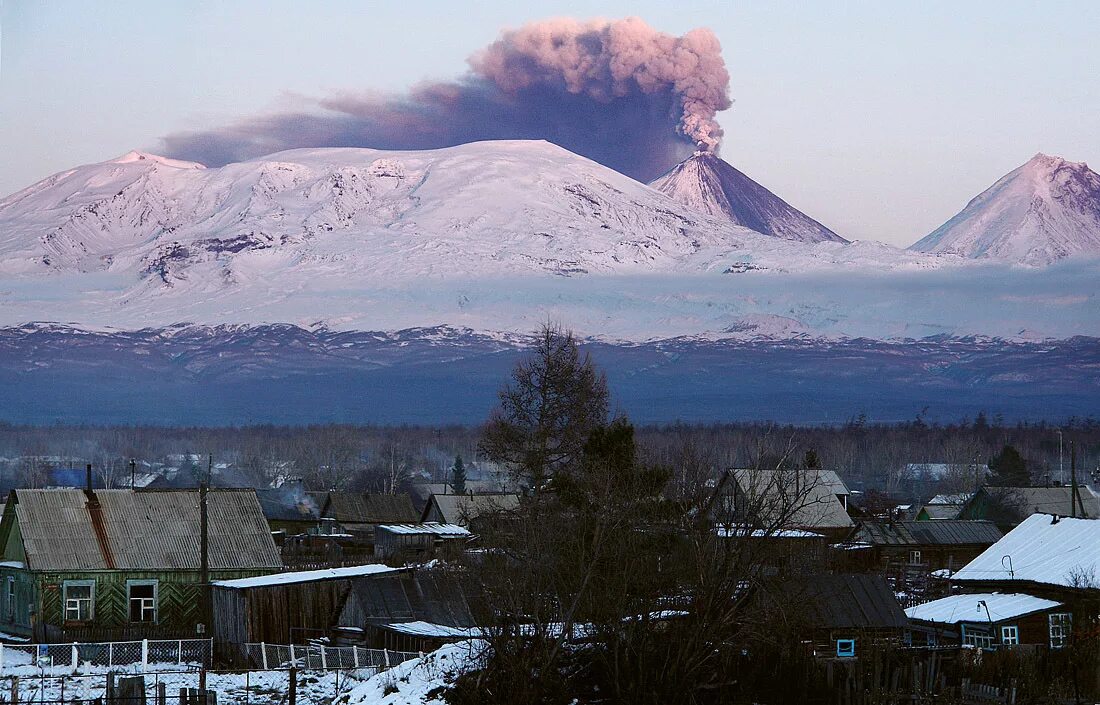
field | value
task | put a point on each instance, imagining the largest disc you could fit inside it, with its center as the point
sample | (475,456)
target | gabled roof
(832,480)
(1042,549)
(967,608)
(432,596)
(953,500)
(848,601)
(1040,500)
(940,512)
(288,504)
(431,527)
(362,508)
(805,495)
(461,508)
(139,530)
(946,532)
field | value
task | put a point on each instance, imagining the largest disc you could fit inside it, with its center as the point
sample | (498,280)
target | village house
(803,499)
(943,506)
(986,620)
(1008,506)
(464,510)
(358,513)
(925,546)
(289,510)
(99,565)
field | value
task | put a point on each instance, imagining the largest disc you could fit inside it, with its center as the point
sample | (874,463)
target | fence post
(292,690)
(15,690)
(144,654)
(110,654)
(386,656)
(179,653)
(293,661)
(324,659)
(1,657)
(76,659)
(355,655)
(263,654)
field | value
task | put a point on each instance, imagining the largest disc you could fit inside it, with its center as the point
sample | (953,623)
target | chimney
(88,479)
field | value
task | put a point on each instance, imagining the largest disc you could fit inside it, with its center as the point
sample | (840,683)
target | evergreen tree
(811,460)
(458,476)
(1009,468)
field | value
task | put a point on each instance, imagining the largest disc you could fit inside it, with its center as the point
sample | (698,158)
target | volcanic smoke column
(618,92)
(611,60)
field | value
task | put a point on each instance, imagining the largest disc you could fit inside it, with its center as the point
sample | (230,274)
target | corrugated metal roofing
(430,527)
(422,595)
(1041,549)
(1047,500)
(306,576)
(966,608)
(944,532)
(143,530)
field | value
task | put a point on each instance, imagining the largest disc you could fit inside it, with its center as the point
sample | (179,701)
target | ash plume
(618,92)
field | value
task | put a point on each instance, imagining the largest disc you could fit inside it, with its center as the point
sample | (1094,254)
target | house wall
(277,614)
(935,557)
(179,605)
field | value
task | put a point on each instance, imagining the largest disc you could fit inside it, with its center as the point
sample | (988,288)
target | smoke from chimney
(619,92)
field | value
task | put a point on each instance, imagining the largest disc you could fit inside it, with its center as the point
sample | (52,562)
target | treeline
(868,455)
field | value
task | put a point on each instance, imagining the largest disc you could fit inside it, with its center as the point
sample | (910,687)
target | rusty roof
(141,530)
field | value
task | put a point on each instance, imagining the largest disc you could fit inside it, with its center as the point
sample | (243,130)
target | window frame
(155,584)
(65,586)
(848,650)
(1014,639)
(914,556)
(1063,621)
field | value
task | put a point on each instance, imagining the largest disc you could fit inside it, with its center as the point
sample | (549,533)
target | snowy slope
(1043,211)
(711,185)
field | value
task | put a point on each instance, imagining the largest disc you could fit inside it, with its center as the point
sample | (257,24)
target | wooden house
(1008,506)
(784,498)
(986,620)
(98,565)
(290,510)
(464,510)
(942,506)
(926,545)
(414,610)
(282,608)
(358,513)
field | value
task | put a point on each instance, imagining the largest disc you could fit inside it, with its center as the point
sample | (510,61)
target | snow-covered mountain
(1043,211)
(711,185)
(487,208)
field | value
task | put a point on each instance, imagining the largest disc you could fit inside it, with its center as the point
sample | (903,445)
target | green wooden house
(107,565)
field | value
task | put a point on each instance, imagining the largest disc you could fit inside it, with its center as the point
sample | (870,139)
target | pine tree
(458,476)
(1009,468)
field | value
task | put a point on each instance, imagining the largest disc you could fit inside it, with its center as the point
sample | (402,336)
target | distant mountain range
(189,294)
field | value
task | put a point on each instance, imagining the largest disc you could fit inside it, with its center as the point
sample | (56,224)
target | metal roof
(776,492)
(288,504)
(1047,500)
(430,527)
(431,596)
(306,576)
(142,530)
(1042,549)
(966,608)
(939,512)
(943,532)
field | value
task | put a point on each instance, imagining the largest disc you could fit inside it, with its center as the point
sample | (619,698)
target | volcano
(712,185)
(1041,212)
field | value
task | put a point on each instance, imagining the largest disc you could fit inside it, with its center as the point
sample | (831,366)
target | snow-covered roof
(954,500)
(966,608)
(740,531)
(429,527)
(306,576)
(1042,549)
(432,630)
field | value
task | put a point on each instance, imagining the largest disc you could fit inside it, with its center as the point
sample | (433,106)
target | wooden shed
(283,608)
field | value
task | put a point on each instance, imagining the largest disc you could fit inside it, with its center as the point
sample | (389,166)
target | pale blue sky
(881,119)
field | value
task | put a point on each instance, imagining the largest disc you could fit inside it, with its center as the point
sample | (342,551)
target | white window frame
(914,557)
(981,639)
(1010,635)
(155,601)
(1061,626)
(70,604)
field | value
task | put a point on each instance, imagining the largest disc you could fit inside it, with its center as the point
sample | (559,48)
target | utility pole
(1061,472)
(204,559)
(133,474)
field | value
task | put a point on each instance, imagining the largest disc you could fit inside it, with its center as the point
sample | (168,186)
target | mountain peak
(706,182)
(135,156)
(1043,211)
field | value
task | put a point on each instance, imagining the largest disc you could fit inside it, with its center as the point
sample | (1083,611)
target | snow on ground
(418,682)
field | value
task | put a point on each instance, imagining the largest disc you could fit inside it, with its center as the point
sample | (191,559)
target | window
(846,648)
(1010,635)
(914,558)
(142,596)
(1061,624)
(931,638)
(79,596)
(976,636)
